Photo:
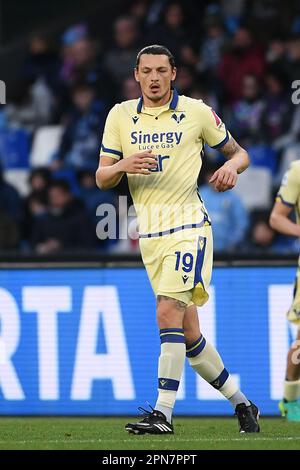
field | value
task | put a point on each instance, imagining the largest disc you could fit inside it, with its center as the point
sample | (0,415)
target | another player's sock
(206,361)
(291,390)
(170,366)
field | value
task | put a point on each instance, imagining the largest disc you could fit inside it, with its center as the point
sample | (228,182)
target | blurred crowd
(240,57)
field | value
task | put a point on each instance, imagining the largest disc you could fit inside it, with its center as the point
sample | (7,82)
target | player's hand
(224,178)
(139,163)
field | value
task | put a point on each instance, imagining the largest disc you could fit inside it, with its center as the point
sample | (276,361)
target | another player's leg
(170,314)
(290,406)
(206,361)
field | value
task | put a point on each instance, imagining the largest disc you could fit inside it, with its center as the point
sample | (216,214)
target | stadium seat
(254,187)
(18,178)
(45,143)
(14,148)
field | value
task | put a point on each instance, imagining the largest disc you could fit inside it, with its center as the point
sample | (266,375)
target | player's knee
(169,314)
(164,319)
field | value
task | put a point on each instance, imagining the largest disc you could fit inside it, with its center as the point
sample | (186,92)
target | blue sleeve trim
(221,143)
(114,152)
(289,204)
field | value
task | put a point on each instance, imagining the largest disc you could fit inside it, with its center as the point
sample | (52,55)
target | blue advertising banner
(85,341)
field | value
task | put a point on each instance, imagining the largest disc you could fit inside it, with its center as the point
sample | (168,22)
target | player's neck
(156,104)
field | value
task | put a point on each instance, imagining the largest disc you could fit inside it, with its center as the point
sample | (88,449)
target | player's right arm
(111,171)
(286,200)
(112,166)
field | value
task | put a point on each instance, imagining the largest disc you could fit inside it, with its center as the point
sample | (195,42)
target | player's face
(155,75)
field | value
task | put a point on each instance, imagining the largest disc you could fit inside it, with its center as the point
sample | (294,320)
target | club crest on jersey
(178,118)
(135,119)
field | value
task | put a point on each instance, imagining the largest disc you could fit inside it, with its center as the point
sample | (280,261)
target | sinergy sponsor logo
(156,137)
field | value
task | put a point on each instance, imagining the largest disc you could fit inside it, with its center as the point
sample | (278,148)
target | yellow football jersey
(289,192)
(176,133)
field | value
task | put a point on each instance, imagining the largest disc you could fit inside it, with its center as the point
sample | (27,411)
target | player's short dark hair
(155,49)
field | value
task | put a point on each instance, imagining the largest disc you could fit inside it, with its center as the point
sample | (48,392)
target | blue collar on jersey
(173,104)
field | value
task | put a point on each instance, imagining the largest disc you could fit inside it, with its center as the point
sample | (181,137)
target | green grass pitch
(108,434)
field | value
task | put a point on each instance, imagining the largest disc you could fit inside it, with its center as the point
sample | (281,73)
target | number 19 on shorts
(185,261)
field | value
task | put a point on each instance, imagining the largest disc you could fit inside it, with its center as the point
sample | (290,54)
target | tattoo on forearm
(230,148)
(177,303)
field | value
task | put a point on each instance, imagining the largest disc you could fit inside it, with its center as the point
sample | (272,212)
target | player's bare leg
(206,362)
(290,406)
(170,315)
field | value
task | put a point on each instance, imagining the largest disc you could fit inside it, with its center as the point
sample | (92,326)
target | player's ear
(136,74)
(174,73)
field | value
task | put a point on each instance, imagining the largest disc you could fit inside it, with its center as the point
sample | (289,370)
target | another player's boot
(248,417)
(153,422)
(290,410)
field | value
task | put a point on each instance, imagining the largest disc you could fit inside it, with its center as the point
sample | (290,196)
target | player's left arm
(237,161)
